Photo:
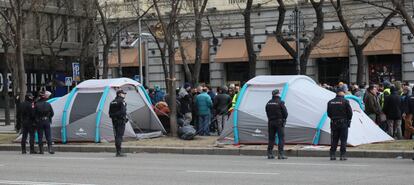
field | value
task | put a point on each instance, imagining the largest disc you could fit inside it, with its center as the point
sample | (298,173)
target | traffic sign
(68,81)
(76,72)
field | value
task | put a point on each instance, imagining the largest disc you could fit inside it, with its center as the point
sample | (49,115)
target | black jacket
(186,103)
(276,109)
(392,106)
(339,109)
(222,103)
(27,114)
(117,108)
(43,110)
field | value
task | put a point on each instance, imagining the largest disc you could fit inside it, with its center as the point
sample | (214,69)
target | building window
(237,72)
(36,26)
(333,70)
(236,1)
(384,68)
(79,30)
(282,67)
(51,26)
(65,28)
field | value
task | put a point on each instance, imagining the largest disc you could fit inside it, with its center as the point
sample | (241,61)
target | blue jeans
(204,125)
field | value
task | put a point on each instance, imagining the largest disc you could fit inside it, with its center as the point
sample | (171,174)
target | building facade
(53,32)
(389,56)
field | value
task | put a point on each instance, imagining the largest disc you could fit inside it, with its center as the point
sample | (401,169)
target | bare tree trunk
(19,52)
(105,54)
(187,70)
(198,50)
(359,47)
(171,92)
(5,85)
(198,14)
(360,68)
(170,41)
(249,39)
(399,5)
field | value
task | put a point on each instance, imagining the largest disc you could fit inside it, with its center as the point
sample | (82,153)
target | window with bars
(236,1)
(65,28)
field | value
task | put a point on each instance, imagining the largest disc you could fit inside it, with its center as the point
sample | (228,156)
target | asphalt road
(154,169)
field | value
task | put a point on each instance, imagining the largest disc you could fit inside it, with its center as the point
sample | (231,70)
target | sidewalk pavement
(212,149)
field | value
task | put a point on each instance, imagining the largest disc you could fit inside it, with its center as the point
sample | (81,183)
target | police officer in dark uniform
(340,113)
(44,114)
(27,117)
(277,114)
(118,114)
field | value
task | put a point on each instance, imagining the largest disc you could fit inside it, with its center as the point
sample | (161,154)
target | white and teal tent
(307,122)
(82,115)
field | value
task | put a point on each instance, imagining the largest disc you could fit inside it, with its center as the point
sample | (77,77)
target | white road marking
(37,183)
(321,164)
(70,158)
(230,172)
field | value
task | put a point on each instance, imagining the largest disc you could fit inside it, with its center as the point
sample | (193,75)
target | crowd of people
(389,104)
(201,106)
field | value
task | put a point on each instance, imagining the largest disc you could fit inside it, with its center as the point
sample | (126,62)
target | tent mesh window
(84,105)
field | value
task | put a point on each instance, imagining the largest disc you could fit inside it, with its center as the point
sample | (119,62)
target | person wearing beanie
(276,114)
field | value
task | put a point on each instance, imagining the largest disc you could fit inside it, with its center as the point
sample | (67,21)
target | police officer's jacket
(339,109)
(43,111)
(117,108)
(27,114)
(276,109)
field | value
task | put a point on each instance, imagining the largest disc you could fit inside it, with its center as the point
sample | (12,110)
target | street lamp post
(141,75)
(297,30)
(119,52)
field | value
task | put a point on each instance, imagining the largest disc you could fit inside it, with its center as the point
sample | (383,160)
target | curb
(216,151)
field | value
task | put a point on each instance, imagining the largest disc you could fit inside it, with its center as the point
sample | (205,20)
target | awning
(387,42)
(189,50)
(332,45)
(273,50)
(232,50)
(129,57)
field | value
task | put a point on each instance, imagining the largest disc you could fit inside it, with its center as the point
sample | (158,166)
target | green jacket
(204,104)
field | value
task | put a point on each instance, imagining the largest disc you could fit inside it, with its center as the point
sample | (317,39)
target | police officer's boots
(270,154)
(50,149)
(120,154)
(343,158)
(32,150)
(41,149)
(23,149)
(282,156)
(333,157)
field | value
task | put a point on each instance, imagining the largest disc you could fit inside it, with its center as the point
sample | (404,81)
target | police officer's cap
(275,92)
(120,92)
(29,95)
(339,89)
